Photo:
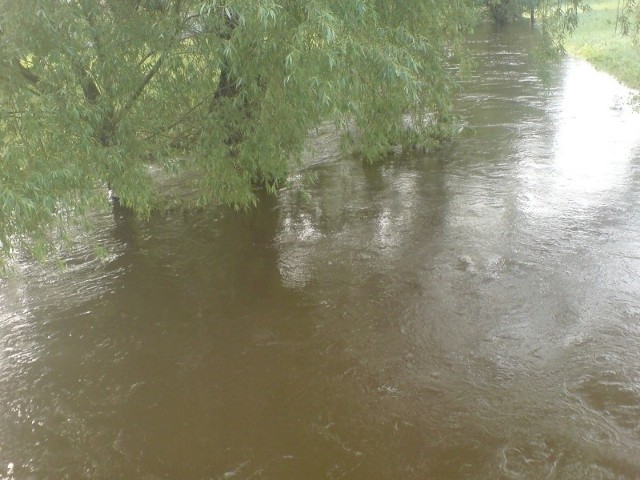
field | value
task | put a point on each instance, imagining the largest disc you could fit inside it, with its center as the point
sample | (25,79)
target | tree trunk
(532,16)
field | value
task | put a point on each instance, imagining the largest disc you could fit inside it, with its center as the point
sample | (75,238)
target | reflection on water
(472,313)
(594,136)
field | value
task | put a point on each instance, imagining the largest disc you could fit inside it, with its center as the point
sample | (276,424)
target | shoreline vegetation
(599,40)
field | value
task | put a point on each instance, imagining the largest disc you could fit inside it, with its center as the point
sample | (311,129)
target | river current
(469,313)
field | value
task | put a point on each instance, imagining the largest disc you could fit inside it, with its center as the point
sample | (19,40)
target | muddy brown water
(472,313)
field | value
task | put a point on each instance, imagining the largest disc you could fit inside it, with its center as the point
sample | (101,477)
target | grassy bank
(597,41)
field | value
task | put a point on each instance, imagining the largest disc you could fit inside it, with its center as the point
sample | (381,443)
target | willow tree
(97,92)
(560,17)
(505,11)
(630,19)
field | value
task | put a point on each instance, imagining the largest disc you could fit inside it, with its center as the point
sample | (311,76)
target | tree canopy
(98,92)
(220,93)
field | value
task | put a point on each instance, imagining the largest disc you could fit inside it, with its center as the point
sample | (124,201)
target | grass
(597,41)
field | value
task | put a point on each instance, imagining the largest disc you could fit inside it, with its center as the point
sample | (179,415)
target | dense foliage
(109,91)
(505,11)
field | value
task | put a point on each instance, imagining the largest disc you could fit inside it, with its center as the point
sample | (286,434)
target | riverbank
(598,39)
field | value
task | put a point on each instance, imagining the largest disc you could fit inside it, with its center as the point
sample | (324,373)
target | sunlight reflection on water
(596,132)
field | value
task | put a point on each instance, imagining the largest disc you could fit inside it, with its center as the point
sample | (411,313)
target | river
(469,313)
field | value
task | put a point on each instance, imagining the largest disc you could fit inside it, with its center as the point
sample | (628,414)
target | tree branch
(27,74)
(89,88)
(89,16)
(138,91)
(180,120)
(154,69)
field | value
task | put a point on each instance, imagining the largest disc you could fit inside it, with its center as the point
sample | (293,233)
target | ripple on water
(612,394)
(556,455)
(529,458)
